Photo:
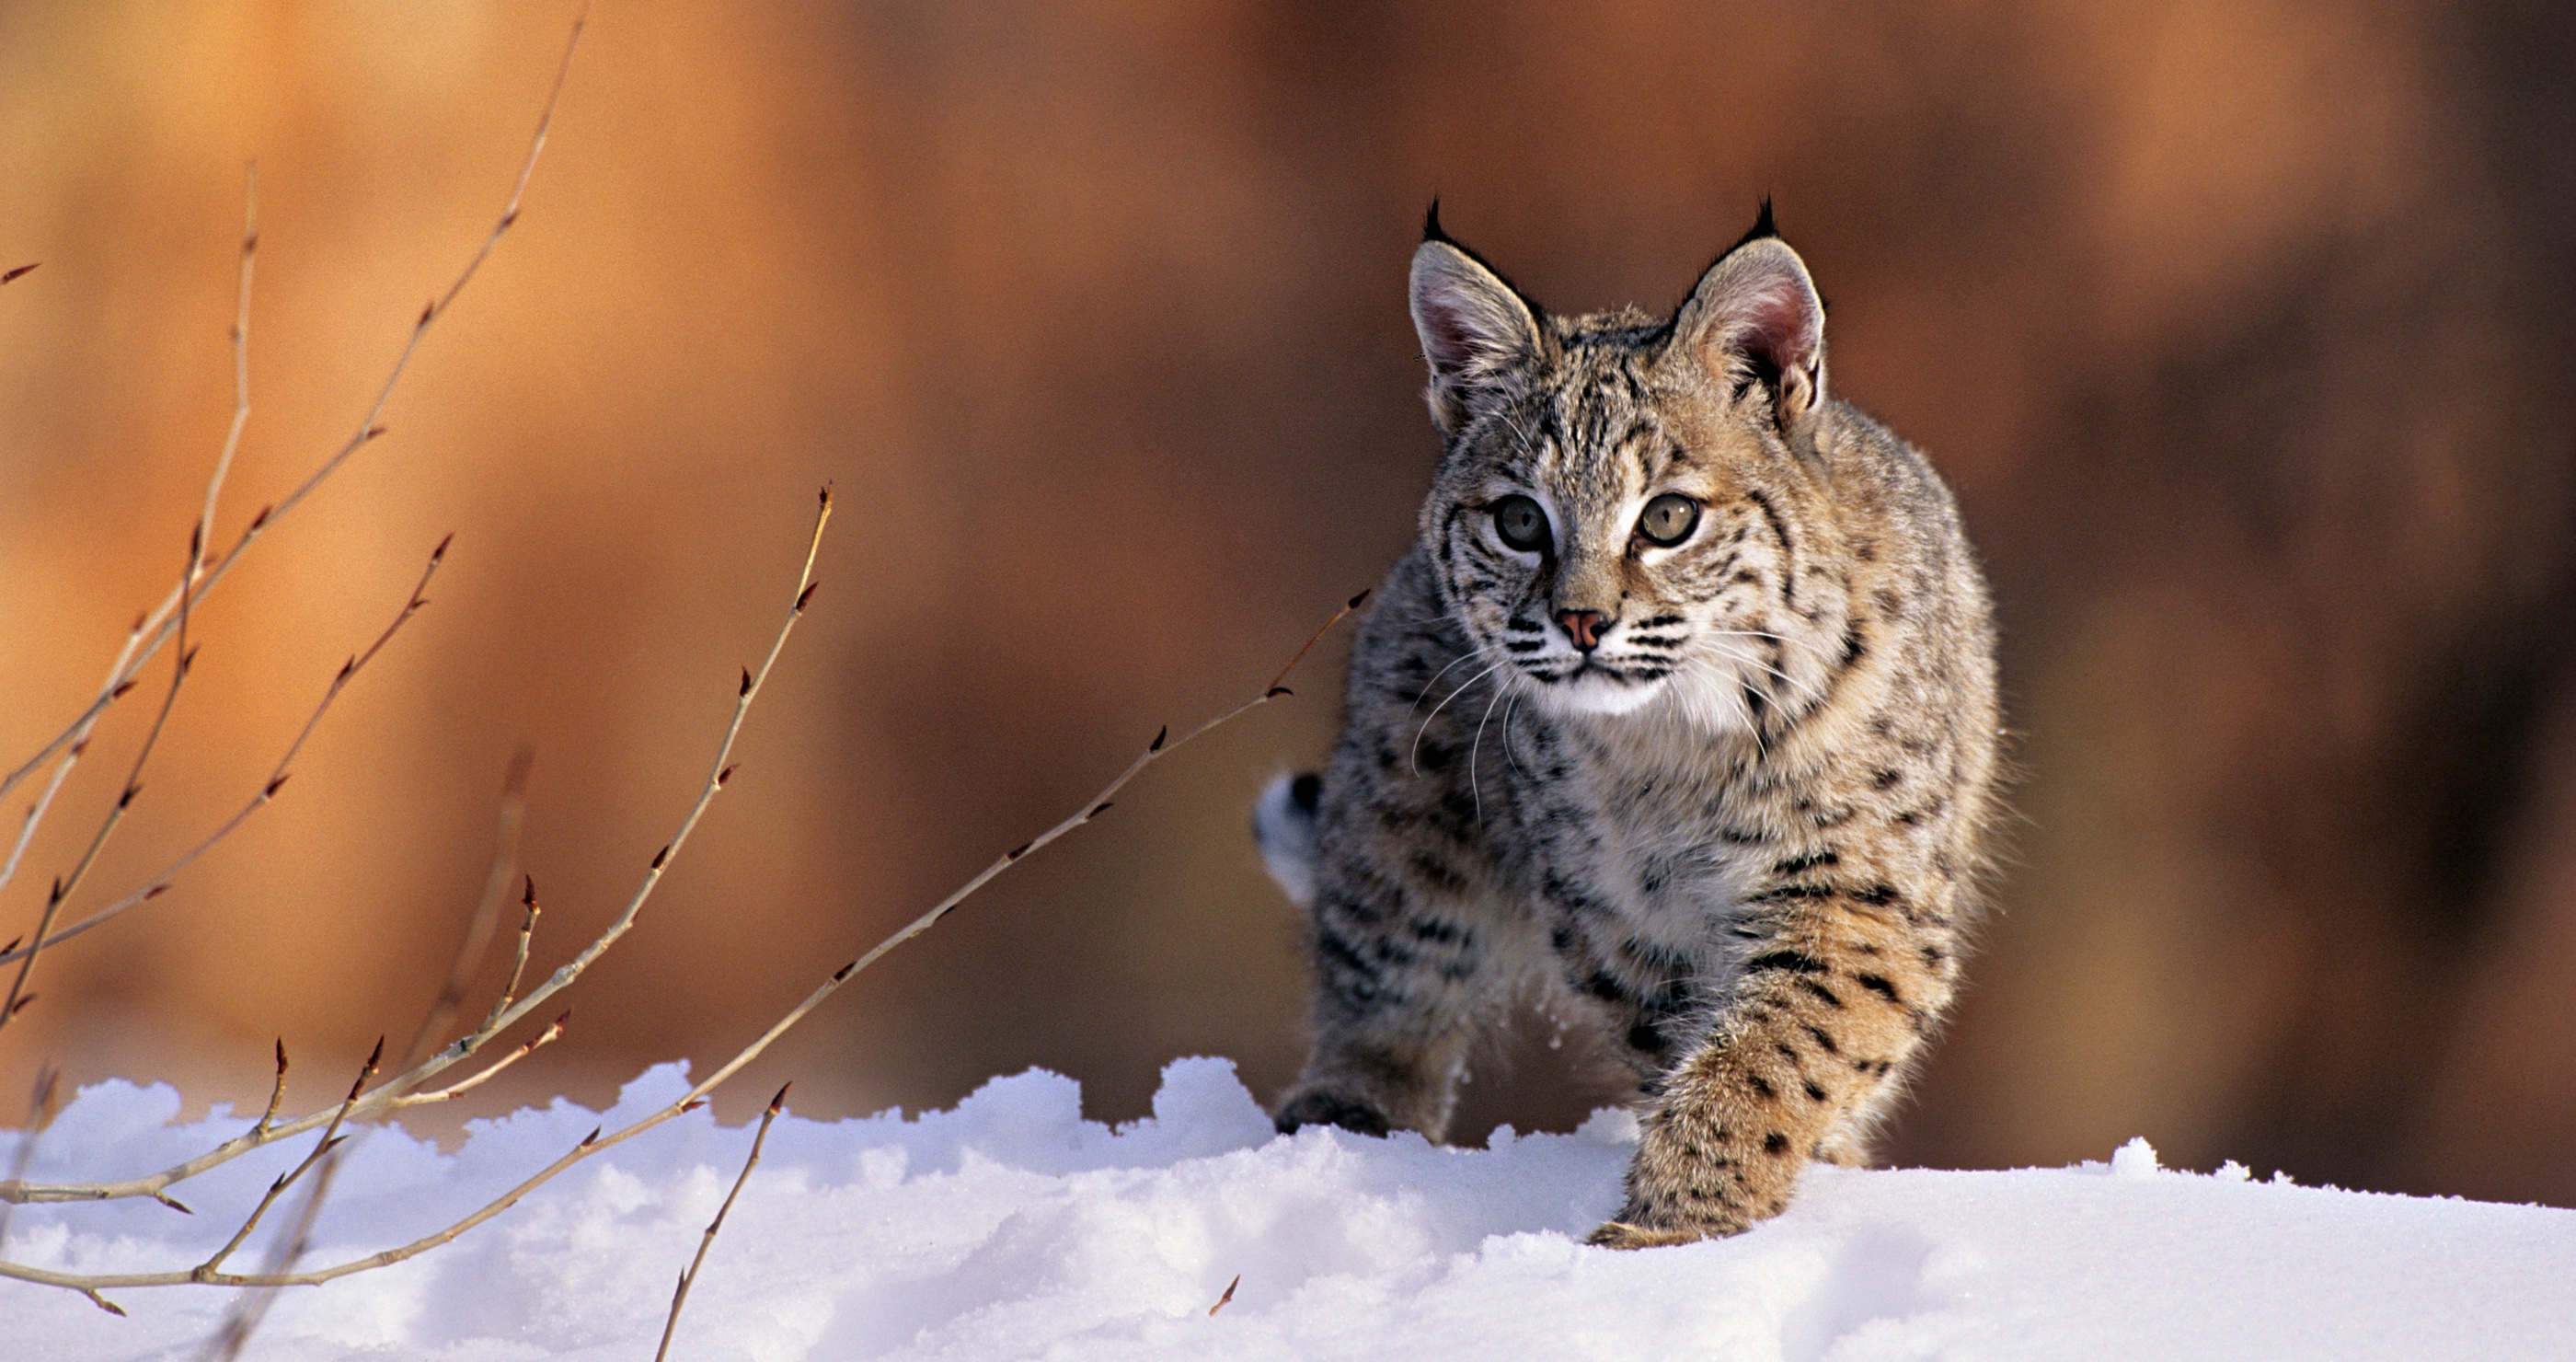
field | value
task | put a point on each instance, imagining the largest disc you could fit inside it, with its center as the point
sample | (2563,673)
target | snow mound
(1010,1227)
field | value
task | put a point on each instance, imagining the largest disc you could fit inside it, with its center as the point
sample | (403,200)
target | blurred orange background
(2241,328)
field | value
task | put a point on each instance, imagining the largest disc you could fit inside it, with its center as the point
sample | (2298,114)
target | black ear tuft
(1432,231)
(1762,226)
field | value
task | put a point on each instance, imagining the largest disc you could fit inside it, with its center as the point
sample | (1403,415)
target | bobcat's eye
(1521,523)
(1669,519)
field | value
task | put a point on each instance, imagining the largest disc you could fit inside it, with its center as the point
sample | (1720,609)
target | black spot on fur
(1436,929)
(1438,874)
(1775,1143)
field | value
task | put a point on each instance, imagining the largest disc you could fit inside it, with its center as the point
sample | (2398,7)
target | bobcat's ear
(1474,325)
(1755,318)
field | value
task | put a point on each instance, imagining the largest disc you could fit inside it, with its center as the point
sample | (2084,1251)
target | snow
(1010,1227)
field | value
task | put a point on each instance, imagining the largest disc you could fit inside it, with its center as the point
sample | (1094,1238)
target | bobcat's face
(1616,519)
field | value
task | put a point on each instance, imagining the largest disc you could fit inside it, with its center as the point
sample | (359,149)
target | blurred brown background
(2242,329)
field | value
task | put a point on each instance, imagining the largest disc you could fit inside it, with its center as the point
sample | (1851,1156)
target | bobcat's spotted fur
(1723,791)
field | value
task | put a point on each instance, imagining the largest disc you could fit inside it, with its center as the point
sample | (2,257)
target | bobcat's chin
(1593,691)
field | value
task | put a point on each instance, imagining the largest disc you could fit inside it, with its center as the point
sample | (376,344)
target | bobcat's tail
(1283,823)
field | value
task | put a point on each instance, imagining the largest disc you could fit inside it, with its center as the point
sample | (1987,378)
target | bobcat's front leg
(1401,975)
(1796,1068)
(1412,926)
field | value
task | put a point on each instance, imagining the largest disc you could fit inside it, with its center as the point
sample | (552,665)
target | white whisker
(1412,758)
(1468,656)
(1477,745)
(1733,655)
(1812,650)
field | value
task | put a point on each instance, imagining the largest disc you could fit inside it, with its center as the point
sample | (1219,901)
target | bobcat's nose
(1584,627)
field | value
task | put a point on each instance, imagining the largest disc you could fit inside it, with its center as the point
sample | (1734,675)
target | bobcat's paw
(1317,1107)
(1619,1234)
(1638,1227)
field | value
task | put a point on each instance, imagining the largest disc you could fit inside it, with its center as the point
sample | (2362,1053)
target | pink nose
(1583,627)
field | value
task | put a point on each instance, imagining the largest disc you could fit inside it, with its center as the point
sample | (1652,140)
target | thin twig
(680,1296)
(554,1030)
(330,1140)
(276,1094)
(597,1141)
(519,964)
(1099,803)
(66,885)
(41,1108)
(1228,1297)
(155,628)
(120,677)
(487,909)
(250,1310)
(154,887)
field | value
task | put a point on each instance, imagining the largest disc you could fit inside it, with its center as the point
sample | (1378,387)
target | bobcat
(1682,710)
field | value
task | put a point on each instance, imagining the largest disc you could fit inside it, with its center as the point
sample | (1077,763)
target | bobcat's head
(1618,516)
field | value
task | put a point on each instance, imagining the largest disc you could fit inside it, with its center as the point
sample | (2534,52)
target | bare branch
(330,1140)
(276,1094)
(487,910)
(250,1310)
(596,1142)
(153,887)
(562,978)
(554,1029)
(120,678)
(1093,807)
(66,886)
(680,1297)
(42,1104)
(519,965)
(241,375)
(157,624)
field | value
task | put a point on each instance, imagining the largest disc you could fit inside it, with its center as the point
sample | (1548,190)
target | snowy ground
(1012,1228)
